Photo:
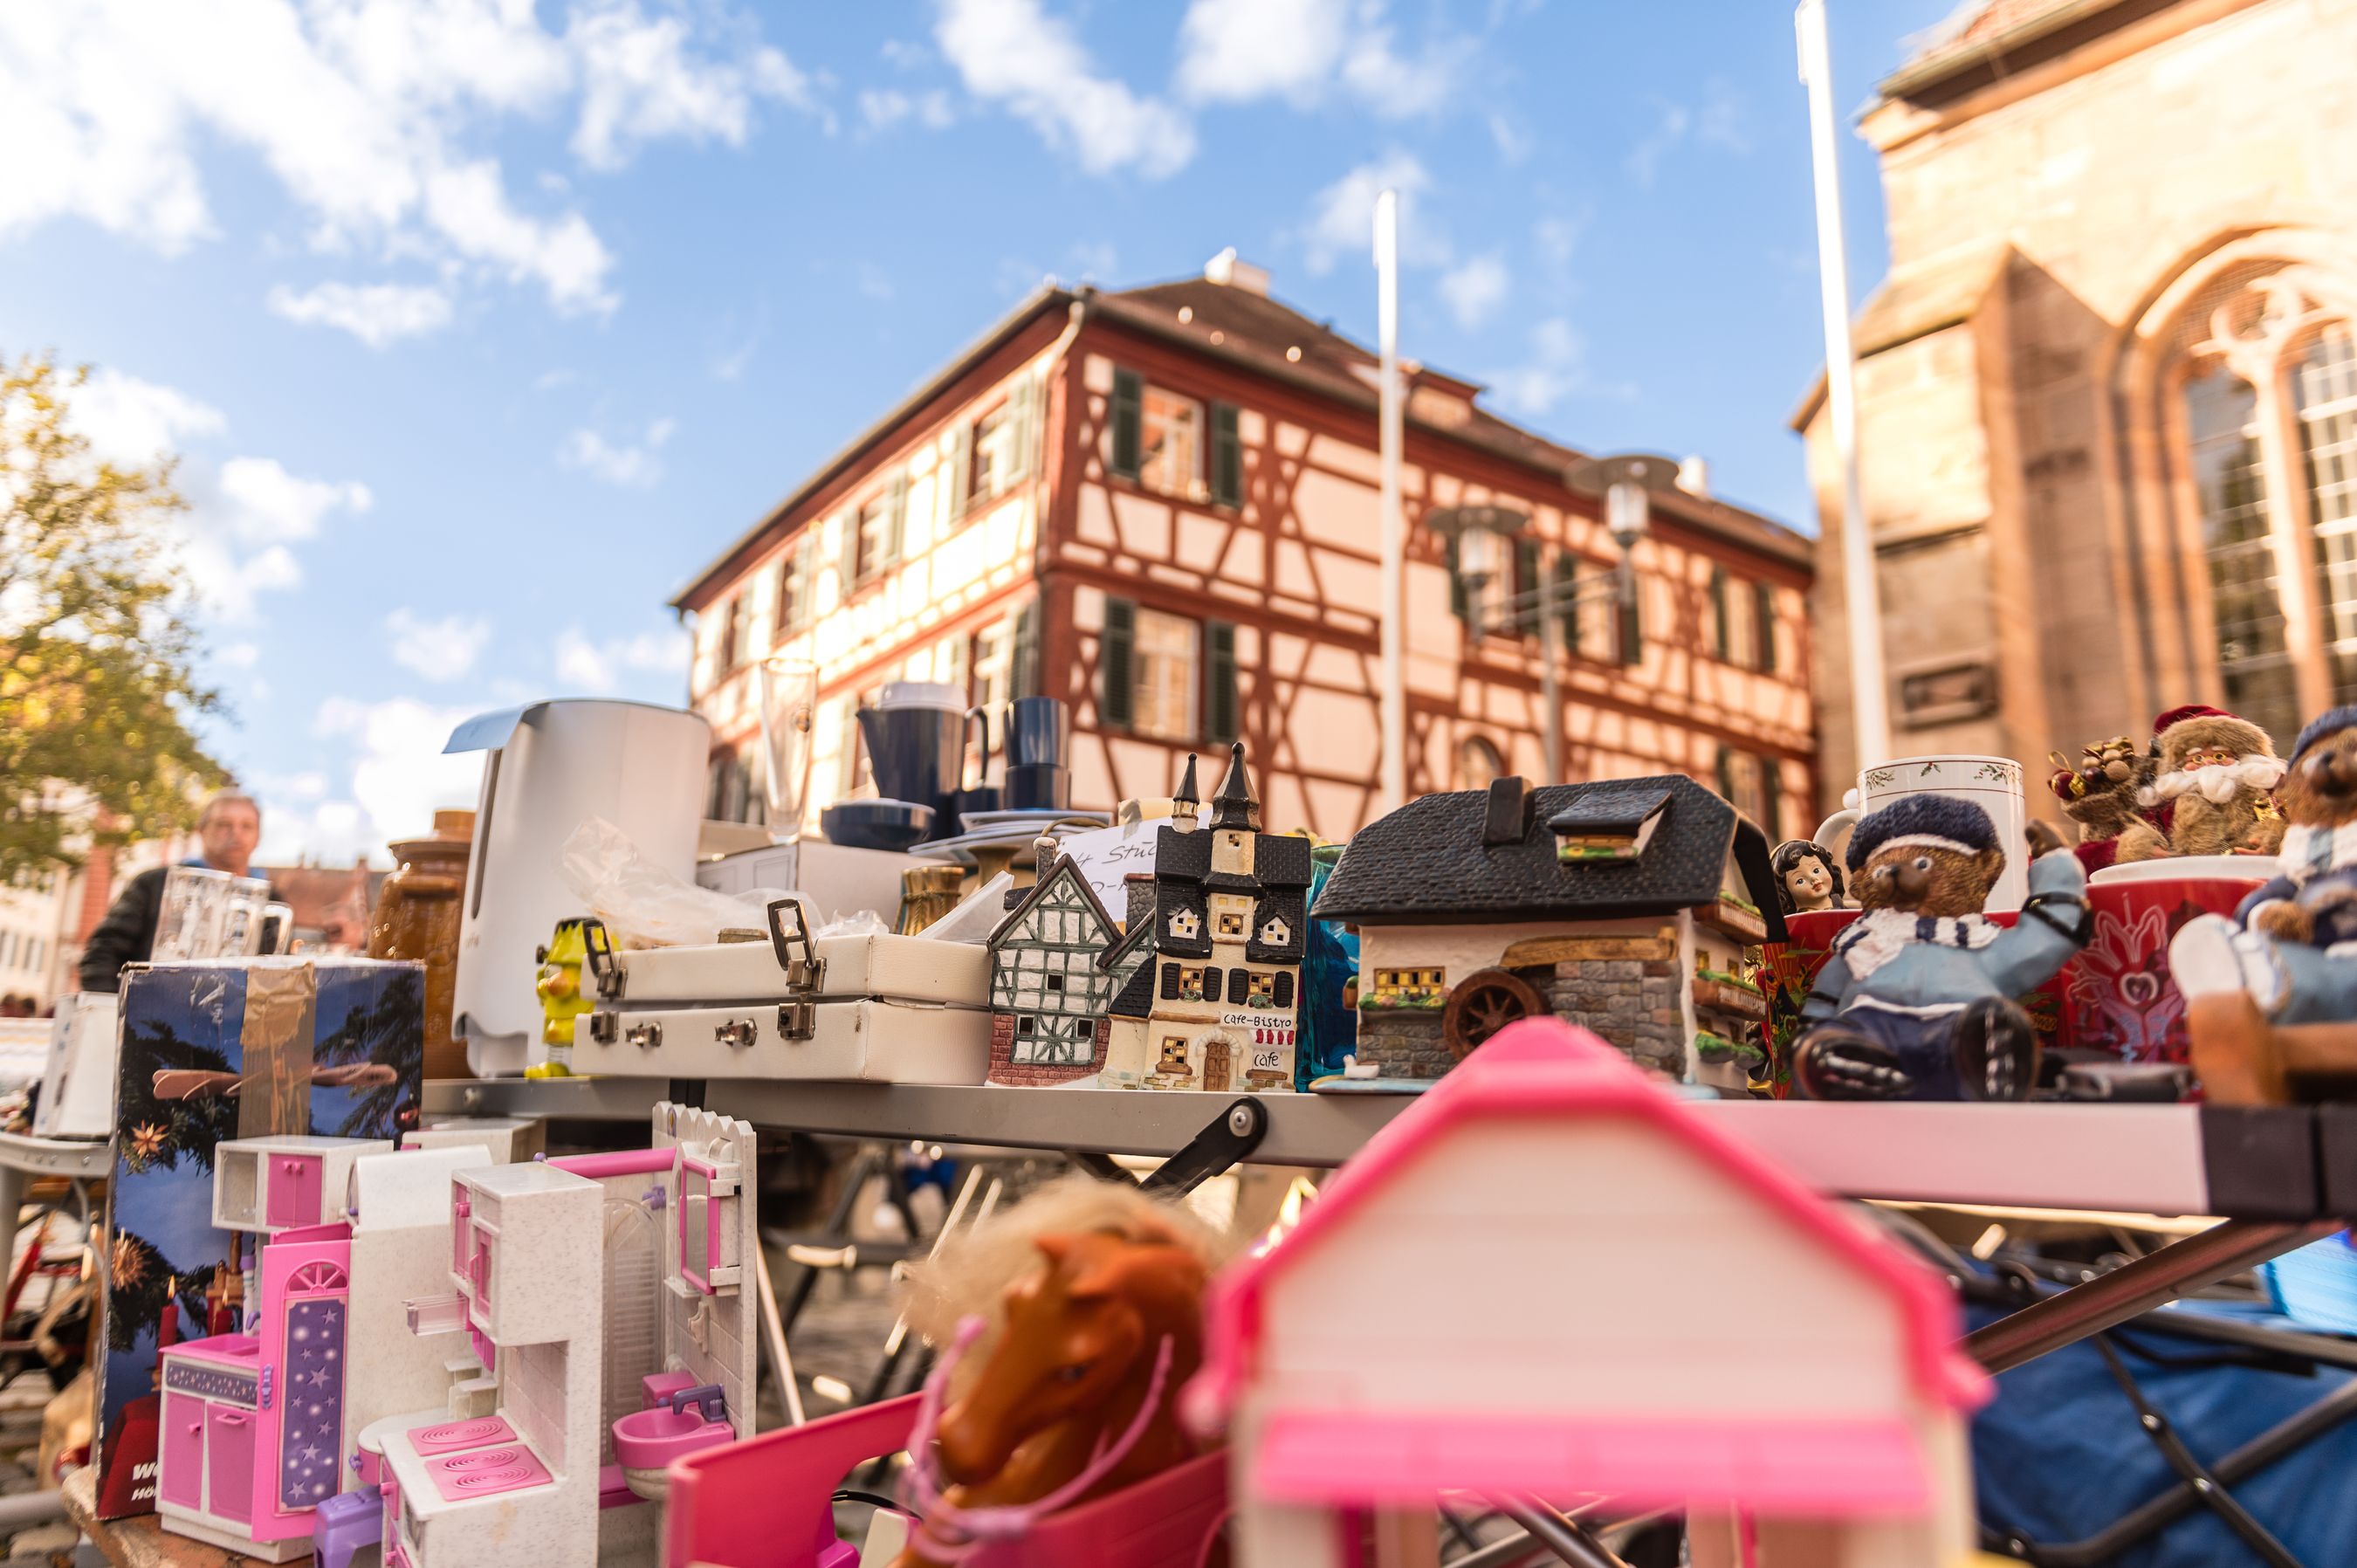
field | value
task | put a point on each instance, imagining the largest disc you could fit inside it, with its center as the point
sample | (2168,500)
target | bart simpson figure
(561,1002)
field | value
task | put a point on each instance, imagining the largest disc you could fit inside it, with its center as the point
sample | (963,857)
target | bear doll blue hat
(2330,723)
(1940,822)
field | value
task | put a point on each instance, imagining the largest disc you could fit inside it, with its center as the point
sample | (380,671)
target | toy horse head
(1079,1341)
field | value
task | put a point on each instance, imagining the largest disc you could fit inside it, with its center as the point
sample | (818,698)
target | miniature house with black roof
(1213,999)
(1624,905)
(1048,990)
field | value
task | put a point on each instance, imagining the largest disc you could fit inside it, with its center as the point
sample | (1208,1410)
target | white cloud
(1474,291)
(265,504)
(371,117)
(1555,369)
(641,82)
(399,777)
(1012,52)
(1341,220)
(627,462)
(1239,51)
(871,280)
(1557,237)
(238,656)
(1514,142)
(882,108)
(600,668)
(440,650)
(131,421)
(1718,123)
(376,314)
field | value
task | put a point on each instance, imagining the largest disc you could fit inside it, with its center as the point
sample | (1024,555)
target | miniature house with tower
(1624,905)
(1213,1001)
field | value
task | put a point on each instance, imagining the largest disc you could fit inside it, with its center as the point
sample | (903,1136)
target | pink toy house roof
(1811,1465)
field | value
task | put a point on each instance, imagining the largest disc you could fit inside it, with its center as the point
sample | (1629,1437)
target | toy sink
(878,1009)
(647,1441)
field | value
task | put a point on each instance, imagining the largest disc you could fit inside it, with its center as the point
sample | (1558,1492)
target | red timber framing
(1292,570)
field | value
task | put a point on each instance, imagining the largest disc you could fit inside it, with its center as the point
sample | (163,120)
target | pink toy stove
(251,1422)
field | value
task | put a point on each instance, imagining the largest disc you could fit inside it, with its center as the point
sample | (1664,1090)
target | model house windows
(1175,445)
(1260,989)
(1166,676)
(1232,925)
(1397,986)
(1275,932)
(1186,925)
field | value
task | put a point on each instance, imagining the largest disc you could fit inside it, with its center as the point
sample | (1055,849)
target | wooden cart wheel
(1483,1003)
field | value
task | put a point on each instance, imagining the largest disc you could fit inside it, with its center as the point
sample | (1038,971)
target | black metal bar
(838,1225)
(689,1091)
(1215,1150)
(1570,1541)
(2227,1247)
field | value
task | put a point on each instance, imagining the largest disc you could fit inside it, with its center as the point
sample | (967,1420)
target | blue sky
(481,324)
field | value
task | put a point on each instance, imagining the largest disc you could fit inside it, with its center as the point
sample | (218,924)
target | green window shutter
(1772,798)
(1023,662)
(1022,397)
(1722,773)
(1128,424)
(1117,665)
(959,475)
(1227,457)
(896,517)
(1526,586)
(1567,600)
(1763,618)
(1632,629)
(1721,641)
(1459,606)
(1222,720)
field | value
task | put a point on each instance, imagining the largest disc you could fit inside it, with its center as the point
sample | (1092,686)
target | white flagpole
(1393,709)
(1862,598)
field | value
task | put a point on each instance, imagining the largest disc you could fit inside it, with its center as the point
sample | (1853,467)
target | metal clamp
(1236,1133)
(805,975)
(738,1033)
(605,1027)
(598,950)
(646,1035)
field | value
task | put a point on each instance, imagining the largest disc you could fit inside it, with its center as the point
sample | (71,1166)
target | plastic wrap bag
(642,904)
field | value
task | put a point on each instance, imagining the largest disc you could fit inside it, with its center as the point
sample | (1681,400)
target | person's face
(1809,882)
(230,831)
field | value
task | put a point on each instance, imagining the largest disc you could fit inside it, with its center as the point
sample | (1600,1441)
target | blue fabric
(2058,1455)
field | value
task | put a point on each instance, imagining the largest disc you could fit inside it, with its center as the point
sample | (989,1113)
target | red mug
(2117,995)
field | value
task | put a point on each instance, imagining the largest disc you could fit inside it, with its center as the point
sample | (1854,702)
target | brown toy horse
(1075,1395)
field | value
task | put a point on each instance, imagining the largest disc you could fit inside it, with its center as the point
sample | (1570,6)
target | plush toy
(2272,994)
(2100,793)
(1915,1001)
(1806,877)
(2211,789)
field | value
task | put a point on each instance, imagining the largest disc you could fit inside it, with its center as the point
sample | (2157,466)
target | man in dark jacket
(228,827)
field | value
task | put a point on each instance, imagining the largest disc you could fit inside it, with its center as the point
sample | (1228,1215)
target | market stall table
(140,1542)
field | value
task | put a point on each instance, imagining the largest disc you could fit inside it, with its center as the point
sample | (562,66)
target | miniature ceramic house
(1048,989)
(1844,1444)
(1212,1003)
(1624,905)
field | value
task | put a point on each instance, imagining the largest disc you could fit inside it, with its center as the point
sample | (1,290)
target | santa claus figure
(2213,791)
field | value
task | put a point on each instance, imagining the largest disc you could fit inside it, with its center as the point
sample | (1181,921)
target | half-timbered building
(1161,506)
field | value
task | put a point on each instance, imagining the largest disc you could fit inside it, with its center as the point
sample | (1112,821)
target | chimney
(1043,850)
(1137,887)
(1231,272)
(1693,476)
(1505,821)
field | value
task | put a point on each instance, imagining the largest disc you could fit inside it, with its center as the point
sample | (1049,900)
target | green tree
(97,688)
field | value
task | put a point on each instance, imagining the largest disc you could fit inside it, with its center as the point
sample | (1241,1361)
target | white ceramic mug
(1992,783)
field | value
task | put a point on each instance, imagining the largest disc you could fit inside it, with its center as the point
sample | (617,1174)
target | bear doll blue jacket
(1931,965)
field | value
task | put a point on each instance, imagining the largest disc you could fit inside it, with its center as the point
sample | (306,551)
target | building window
(1763,627)
(1261,988)
(1174,1056)
(1275,932)
(2324,390)
(996,437)
(2246,605)
(1232,925)
(1170,445)
(1027,1024)
(1735,615)
(1481,579)
(873,543)
(1163,676)
(1186,925)
(1054,982)
(1752,786)
(1407,985)
(735,644)
(1190,983)
(1167,650)
(794,589)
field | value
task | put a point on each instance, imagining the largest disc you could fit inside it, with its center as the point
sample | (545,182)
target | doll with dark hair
(1807,876)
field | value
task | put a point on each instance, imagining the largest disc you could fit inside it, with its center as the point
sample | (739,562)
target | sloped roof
(1982,39)
(1543,1067)
(1426,864)
(1065,868)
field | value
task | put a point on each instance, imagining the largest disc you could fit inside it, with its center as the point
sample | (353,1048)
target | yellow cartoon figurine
(561,1002)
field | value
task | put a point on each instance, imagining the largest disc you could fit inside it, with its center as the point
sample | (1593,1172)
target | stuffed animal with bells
(2212,791)
(2290,957)
(1915,1001)
(2099,792)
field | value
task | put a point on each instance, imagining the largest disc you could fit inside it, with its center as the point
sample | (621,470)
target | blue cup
(1038,733)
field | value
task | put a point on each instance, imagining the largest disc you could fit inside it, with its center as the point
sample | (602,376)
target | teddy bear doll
(1915,1000)
(2212,789)
(2257,986)
(2099,794)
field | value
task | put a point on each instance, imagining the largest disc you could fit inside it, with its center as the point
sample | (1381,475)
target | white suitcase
(862,1009)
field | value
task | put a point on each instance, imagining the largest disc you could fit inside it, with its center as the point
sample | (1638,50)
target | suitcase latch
(646,1035)
(605,1027)
(805,972)
(597,945)
(738,1033)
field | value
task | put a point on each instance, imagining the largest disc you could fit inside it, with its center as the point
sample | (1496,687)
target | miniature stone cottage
(1624,905)
(1213,1001)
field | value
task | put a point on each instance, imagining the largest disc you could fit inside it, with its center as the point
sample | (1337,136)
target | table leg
(2227,1247)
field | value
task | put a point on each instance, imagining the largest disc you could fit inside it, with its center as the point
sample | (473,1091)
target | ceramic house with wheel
(1624,905)
(1844,1444)
(1048,990)
(1213,1001)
